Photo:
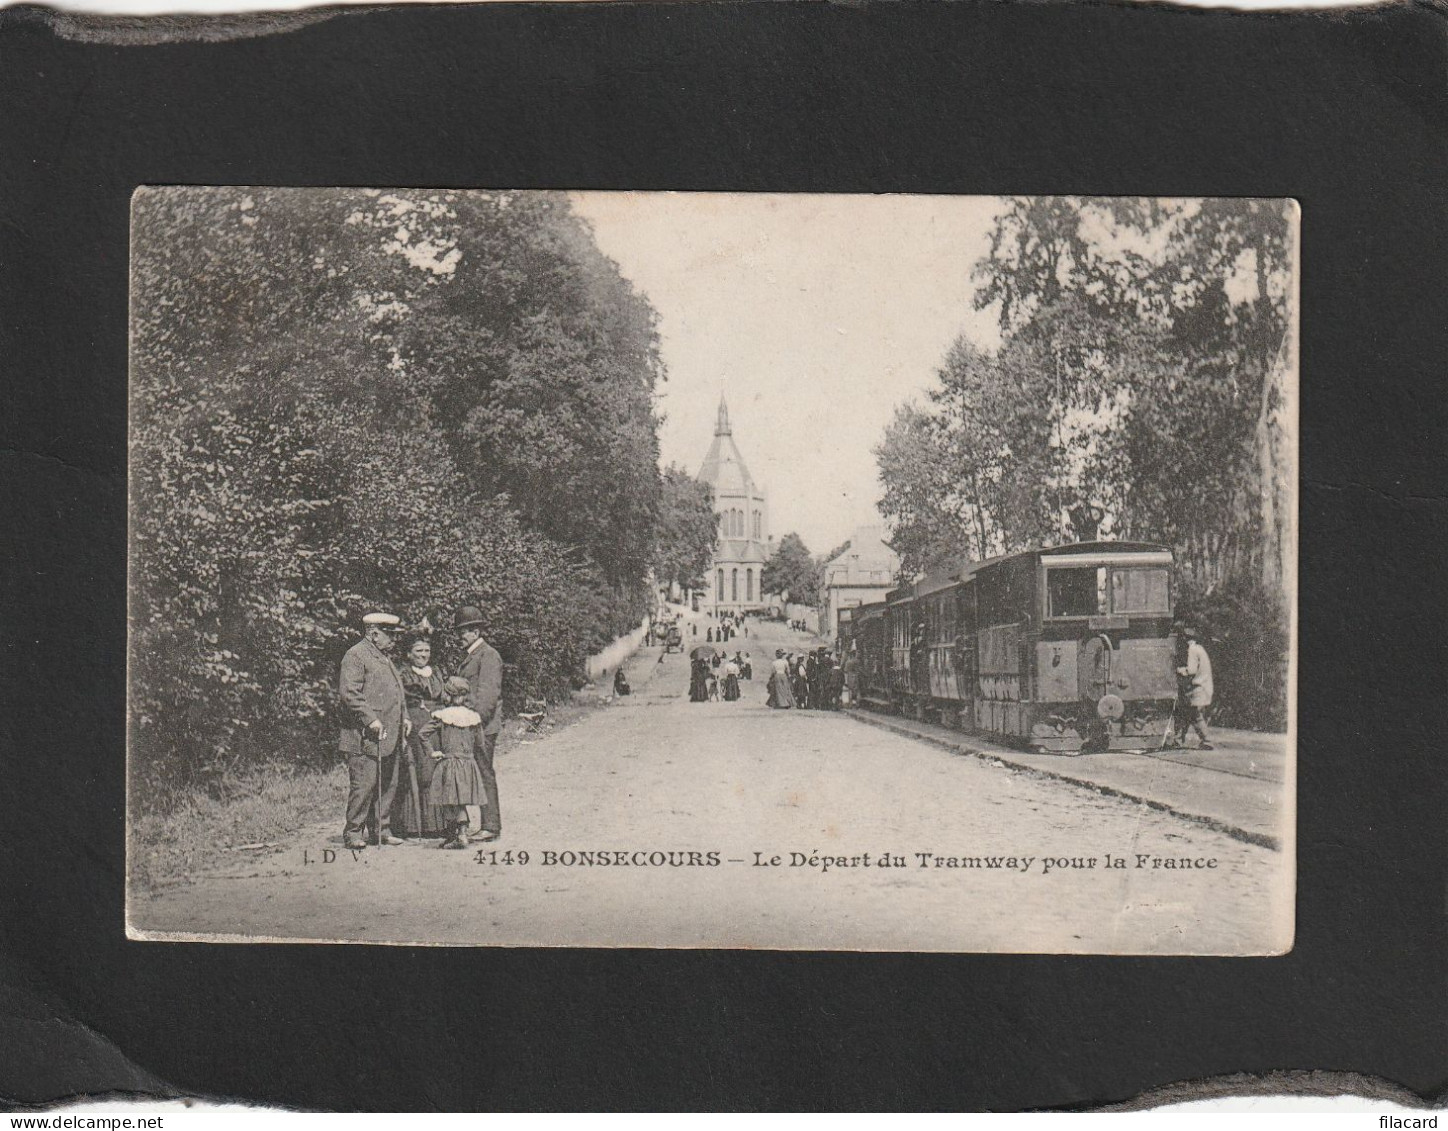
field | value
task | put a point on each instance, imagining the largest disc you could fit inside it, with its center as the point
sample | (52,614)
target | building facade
(861,575)
(733,583)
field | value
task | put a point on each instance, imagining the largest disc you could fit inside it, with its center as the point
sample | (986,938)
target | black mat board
(1346,112)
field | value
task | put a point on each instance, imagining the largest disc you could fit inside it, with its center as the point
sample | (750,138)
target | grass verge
(197,831)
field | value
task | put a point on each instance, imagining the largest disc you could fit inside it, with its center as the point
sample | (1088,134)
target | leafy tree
(791,571)
(688,529)
(919,496)
(354,399)
(1141,390)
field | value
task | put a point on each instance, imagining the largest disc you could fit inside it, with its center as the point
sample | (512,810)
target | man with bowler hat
(482,667)
(374,725)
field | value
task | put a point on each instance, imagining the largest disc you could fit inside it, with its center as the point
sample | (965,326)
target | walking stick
(377,804)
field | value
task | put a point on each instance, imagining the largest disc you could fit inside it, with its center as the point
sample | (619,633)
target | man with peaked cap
(482,667)
(373,729)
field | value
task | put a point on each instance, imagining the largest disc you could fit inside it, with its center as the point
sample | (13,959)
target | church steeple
(735,578)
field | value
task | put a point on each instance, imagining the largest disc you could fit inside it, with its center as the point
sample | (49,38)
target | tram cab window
(1076,592)
(1139,591)
(1089,591)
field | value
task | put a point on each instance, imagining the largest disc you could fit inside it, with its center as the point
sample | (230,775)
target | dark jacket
(483,669)
(369,688)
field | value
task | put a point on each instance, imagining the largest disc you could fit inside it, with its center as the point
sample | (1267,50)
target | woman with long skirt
(698,680)
(412,815)
(731,682)
(781,695)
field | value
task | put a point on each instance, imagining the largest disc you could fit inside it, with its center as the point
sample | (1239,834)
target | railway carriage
(870,640)
(1063,648)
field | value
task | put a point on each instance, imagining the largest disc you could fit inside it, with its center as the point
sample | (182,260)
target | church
(745,544)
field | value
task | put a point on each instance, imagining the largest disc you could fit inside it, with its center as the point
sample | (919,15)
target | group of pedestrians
(811,680)
(715,677)
(726,631)
(419,745)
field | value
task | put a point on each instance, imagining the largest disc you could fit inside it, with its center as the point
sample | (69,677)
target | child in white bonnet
(451,737)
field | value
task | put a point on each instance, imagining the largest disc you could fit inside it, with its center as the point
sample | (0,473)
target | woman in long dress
(781,695)
(698,680)
(731,682)
(412,814)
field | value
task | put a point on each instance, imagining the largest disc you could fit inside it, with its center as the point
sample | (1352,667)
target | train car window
(1076,592)
(1140,591)
(967,608)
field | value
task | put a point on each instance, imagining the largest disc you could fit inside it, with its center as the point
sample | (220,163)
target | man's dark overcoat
(368,688)
(483,669)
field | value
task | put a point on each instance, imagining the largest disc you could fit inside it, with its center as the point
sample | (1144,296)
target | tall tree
(791,571)
(688,529)
(350,398)
(1141,390)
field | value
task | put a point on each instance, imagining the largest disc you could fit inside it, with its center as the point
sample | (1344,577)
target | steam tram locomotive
(1063,648)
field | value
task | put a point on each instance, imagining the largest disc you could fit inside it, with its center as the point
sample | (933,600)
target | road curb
(1216,824)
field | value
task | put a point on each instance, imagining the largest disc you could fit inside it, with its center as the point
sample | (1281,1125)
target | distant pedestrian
(698,680)
(709,636)
(373,706)
(1196,692)
(781,695)
(731,681)
(800,679)
(834,683)
(852,678)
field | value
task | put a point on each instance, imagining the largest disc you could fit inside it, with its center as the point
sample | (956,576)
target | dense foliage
(1140,392)
(688,530)
(791,572)
(355,399)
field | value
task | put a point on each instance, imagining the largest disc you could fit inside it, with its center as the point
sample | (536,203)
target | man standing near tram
(1196,692)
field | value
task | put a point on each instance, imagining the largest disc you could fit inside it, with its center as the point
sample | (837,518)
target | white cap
(386,619)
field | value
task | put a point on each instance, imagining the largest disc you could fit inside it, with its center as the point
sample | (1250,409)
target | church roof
(723,467)
(741,550)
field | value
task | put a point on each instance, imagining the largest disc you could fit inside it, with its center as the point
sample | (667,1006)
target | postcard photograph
(728,570)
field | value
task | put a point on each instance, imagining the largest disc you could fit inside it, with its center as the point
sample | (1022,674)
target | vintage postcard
(614,569)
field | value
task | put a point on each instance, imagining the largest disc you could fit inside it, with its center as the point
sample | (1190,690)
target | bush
(1245,633)
(348,400)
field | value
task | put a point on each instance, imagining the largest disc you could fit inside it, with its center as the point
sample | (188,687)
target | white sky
(814,314)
